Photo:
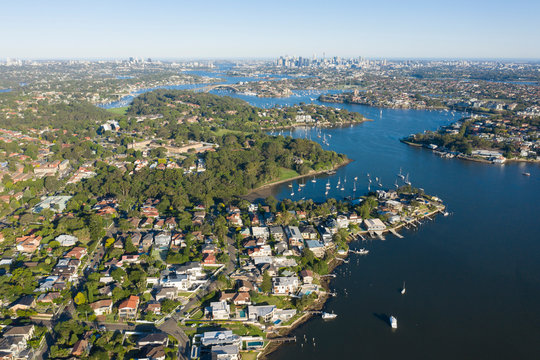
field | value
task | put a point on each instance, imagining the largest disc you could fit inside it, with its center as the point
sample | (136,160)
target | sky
(159,29)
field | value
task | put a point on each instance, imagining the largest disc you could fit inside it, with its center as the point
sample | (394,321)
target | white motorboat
(393,322)
(328,316)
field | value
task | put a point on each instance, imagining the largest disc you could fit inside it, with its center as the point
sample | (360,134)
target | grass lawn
(281,302)
(252,355)
(245,330)
(119,111)
(198,315)
(285,174)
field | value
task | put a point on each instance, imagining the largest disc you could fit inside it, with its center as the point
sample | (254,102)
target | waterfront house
(264,313)
(374,225)
(211,338)
(342,221)
(284,285)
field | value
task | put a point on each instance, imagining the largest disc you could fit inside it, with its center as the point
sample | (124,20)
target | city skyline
(170,30)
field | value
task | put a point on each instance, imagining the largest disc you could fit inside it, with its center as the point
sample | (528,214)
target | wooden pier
(282,340)
(396,233)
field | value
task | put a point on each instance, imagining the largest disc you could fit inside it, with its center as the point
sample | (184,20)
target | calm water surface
(473,278)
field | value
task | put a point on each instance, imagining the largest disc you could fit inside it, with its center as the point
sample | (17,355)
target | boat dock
(282,340)
(380,235)
(394,232)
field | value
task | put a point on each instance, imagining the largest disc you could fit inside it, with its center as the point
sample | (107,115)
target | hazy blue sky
(230,28)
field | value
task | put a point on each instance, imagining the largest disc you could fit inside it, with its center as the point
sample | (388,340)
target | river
(472,278)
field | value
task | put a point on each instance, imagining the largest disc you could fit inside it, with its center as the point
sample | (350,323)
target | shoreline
(318,305)
(263,191)
(469,158)
(327,125)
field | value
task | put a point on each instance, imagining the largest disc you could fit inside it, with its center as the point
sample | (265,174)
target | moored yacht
(393,322)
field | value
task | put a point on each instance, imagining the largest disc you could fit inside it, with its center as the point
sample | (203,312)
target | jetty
(394,232)
(282,340)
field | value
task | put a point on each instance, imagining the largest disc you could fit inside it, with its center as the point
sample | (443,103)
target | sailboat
(401,175)
(328,185)
(355,178)
(403,289)
(406,181)
(395,184)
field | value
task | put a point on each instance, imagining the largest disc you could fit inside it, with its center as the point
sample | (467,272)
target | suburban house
(219,310)
(66,240)
(128,307)
(277,232)
(309,233)
(23,303)
(316,247)
(225,352)
(282,285)
(294,236)
(307,276)
(102,307)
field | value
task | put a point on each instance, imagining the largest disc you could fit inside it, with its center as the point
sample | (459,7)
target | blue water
(5,90)
(473,278)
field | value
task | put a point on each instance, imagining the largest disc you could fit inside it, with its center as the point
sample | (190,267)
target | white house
(220,310)
(374,225)
(285,285)
(66,240)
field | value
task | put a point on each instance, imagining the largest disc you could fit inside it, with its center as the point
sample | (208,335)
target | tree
(79,299)
(130,248)
(272,203)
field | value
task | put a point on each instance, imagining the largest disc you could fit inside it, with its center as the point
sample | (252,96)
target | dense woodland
(239,165)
